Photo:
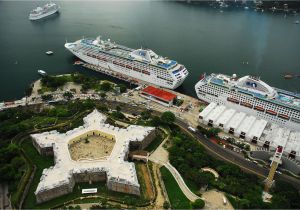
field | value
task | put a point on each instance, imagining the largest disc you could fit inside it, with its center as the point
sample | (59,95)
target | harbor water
(204,39)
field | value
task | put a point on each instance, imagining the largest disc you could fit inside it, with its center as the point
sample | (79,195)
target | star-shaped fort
(96,151)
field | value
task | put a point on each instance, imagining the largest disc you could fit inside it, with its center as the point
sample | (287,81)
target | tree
(47,97)
(102,95)
(155,121)
(68,95)
(166,205)
(105,86)
(213,132)
(168,117)
(122,87)
(118,108)
(198,204)
(146,114)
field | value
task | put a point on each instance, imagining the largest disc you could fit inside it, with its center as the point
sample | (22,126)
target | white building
(234,123)
(119,174)
(256,131)
(211,118)
(245,127)
(225,118)
(206,111)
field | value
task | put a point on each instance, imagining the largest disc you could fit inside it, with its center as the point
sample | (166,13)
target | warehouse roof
(207,110)
(246,124)
(226,116)
(236,120)
(214,114)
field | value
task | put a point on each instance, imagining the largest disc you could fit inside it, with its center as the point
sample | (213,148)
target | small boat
(297,22)
(41,72)
(288,76)
(78,63)
(49,52)
(246,8)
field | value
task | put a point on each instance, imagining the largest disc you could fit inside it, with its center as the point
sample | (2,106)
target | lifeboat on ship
(269,111)
(233,100)
(284,116)
(259,108)
(136,69)
(146,72)
(246,104)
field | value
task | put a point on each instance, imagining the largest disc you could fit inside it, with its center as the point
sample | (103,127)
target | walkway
(161,156)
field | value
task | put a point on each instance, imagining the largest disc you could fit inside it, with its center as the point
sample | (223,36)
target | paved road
(212,148)
(219,152)
(232,157)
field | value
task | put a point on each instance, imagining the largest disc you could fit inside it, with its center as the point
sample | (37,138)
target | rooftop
(114,165)
(208,109)
(236,120)
(226,116)
(159,93)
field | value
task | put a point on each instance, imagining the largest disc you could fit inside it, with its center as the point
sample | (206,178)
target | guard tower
(275,161)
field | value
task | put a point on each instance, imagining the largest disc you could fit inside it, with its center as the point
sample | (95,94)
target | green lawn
(176,196)
(42,162)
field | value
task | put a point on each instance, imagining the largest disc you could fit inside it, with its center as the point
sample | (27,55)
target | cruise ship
(141,65)
(41,12)
(251,95)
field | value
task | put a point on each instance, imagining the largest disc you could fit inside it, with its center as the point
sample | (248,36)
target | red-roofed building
(158,95)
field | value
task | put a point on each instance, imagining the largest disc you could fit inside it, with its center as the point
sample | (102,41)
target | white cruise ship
(41,12)
(123,62)
(251,95)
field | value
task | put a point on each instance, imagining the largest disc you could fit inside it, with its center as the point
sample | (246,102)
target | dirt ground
(96,147)
(146,175)
(214,199)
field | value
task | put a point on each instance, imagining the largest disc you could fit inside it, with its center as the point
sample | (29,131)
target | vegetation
(198,204)
(47,97)
(167,118)
(176,196)
(11,166)
(166,205)
(188,156)
(54,82)
(212,132)
(177,102)
(122,87)
(68,95)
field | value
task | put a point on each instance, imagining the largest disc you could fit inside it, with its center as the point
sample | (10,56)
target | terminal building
(158,95)
(94,152)
(265,135)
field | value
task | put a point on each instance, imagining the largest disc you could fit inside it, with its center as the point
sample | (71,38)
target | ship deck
(284,97)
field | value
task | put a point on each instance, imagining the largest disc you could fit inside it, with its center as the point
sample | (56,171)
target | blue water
(202,38)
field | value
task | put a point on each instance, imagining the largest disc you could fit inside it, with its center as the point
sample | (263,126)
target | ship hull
(116,70)
(43,15)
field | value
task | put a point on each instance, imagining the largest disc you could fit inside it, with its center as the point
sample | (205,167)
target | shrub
(198,204)
(166,205)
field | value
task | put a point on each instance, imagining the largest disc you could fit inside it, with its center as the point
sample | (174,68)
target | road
(213,149)
(161,156)
(229,156)
(217,151)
